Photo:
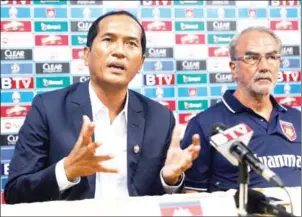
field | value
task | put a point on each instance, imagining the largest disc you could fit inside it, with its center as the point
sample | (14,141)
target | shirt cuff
(62,180)
(170,189)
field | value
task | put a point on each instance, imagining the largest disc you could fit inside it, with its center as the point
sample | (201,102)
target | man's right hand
(82,160)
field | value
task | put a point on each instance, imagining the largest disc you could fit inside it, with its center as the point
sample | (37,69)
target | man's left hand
(179,160)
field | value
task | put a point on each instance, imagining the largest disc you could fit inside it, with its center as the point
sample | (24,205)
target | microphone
(258,203)
(231,144)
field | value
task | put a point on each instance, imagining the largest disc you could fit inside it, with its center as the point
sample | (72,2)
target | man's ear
(142,63)
(233,68)
(86,55)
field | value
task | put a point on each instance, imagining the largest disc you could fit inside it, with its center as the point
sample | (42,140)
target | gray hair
(234,41)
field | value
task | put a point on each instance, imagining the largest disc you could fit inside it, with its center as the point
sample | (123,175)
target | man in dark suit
(130,147)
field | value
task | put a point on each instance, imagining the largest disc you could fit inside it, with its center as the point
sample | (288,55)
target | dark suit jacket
(51,129)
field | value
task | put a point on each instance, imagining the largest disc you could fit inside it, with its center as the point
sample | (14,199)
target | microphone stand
(243,188)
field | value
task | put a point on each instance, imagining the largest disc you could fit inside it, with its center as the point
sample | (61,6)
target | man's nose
(118,50)
(263,63)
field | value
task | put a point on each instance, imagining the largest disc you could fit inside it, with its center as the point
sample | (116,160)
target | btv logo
(17,83)
(159,79)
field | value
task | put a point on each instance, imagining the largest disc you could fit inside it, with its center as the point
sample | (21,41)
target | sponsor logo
(221,78)
(8,139)
(289,76)
(289,100)
(78,40)
(188,208)
(17,97)
(51,2)
(290,63)
(219,38)
(283,12)
(17,83)
(218,64)
(11,125)
(284,3)
(159,52)
(80,26)
(16,54)
(76,79)
(17,40)
(17,68)
(188,65)
(188,13)
(185,117)
(156,3)
(221,51)
(191,78)
(160,92)
(282,160)
(14,12)
(284,25)
(15,2)
(50,12)
(219,90)
(192,104)
(215,101)
(3,182)
(170,104)
(289,130)
(15,111)
(52,82)
(220,3)
(54,40)
(15,26)
(192,91)
(159,66)
(187,2)
(2,198)
(190,52)
(159,79)
(290,51)
(4,169)
(190,38)
(78,68)
(157,25)
(166,39)
(221,25)
(52,53)
(77,53)
(252,13)
(49,68)
(86,2)
(287,89)
(221,13)
(51,26)
(189,26)
(155,13)
(6,155)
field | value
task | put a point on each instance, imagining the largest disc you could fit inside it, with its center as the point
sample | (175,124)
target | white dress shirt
(113,138)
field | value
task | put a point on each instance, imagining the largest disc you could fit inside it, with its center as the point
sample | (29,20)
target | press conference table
(211,204)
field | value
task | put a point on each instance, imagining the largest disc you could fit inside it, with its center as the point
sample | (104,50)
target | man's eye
(272,57)
(251,57)
(107,39)
(131,43)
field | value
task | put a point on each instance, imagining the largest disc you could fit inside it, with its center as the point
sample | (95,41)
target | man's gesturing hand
(178,160)
(82,161)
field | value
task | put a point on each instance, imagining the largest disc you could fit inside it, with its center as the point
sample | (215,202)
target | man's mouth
(263,79)
(117,66)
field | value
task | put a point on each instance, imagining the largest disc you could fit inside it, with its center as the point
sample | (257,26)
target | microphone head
(217,128)
(254,200)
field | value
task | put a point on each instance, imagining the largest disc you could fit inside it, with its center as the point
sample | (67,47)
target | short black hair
(94,28)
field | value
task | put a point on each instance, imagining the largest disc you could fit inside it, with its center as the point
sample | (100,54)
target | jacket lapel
(135,133)
(81,105)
